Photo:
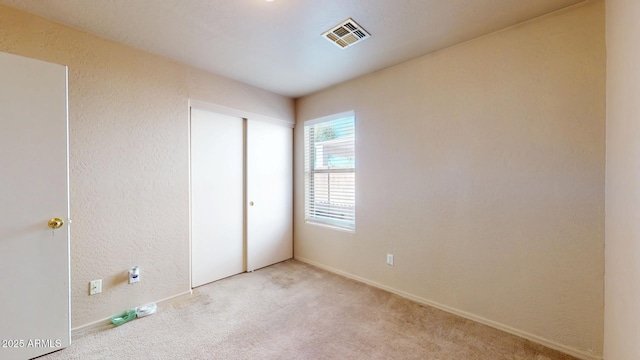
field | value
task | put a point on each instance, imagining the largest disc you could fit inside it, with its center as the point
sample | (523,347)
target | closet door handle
(250,203)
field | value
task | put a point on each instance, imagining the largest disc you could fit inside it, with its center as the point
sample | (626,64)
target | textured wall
(128,158)
(481,167)
(622,256)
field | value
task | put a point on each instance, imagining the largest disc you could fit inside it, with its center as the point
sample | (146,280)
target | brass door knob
(55,223)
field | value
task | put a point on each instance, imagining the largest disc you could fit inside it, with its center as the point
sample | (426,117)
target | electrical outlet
(390,259)
(95,287)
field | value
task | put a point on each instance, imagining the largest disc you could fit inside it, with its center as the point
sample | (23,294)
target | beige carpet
(295,311)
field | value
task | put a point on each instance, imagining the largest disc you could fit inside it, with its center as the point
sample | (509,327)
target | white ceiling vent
(346,33)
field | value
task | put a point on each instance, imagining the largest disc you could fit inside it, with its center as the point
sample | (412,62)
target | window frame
(348,225)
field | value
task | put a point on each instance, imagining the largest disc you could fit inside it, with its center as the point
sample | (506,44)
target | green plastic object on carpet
(123,317)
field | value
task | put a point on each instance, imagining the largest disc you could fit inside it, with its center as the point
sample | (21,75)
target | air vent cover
(346,33)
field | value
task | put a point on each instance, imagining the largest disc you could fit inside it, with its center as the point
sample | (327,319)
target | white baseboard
(107,321)
(580,354)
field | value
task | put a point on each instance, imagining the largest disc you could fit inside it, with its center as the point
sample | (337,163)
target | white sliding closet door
(217,196)
(269,194)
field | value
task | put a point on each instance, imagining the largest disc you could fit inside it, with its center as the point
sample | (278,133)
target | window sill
(330,226)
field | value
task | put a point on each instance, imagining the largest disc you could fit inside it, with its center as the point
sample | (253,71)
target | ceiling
(278,45)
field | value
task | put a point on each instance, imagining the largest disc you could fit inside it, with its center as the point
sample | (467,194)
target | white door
(217,196)
(34,259)
(269,194)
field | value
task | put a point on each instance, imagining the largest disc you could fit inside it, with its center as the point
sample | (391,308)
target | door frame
(223,110)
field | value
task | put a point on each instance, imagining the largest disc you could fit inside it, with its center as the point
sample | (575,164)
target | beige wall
(128,158)
(481,167)
(622,295)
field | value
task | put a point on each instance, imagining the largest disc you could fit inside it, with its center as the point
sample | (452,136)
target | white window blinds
(330,170)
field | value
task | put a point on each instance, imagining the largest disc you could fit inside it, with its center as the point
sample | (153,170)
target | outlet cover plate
(390,259)
(95,287)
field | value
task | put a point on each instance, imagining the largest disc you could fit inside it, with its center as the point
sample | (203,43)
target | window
(330,170)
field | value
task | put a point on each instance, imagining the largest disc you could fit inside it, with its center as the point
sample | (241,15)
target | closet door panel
(217,196)
(269,194)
